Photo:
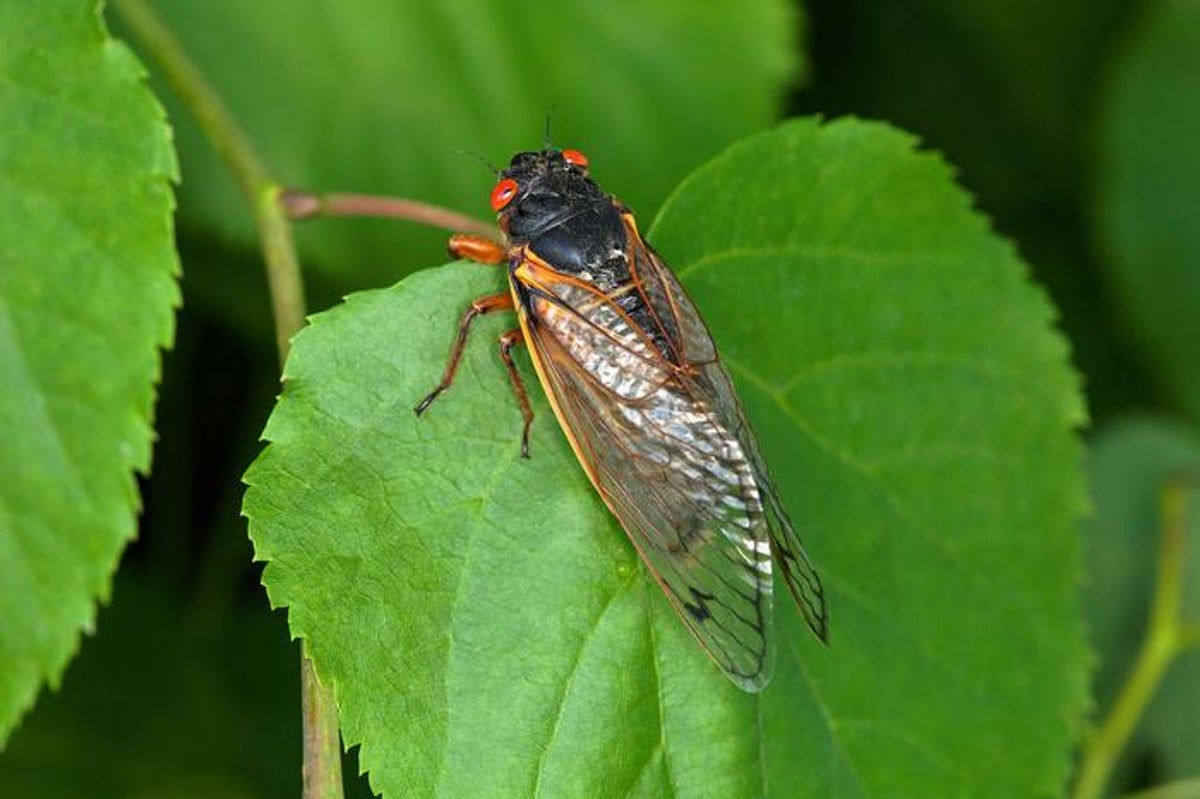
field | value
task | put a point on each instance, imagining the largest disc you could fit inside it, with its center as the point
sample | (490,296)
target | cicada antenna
(495,170)
(549,145)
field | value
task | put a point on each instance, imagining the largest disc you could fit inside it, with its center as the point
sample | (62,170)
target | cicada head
(540,190)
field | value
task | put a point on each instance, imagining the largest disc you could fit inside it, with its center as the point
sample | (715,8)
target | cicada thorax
(592,249)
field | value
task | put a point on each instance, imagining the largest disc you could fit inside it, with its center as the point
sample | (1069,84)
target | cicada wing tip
(817,618)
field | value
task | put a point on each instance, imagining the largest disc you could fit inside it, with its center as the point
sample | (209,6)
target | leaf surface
(87,297)
(485,624)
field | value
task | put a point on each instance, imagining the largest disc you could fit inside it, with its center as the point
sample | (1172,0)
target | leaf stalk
(305,205)
(1167,635)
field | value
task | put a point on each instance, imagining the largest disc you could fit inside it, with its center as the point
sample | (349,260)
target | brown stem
(322,746)
(306,205)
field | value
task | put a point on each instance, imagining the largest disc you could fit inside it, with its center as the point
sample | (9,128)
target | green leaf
(377,96)
(1150,194)
(87,293)
(481,617)
(1129,464)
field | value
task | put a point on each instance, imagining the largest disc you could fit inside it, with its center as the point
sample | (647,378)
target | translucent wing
(651,413)
(675,309)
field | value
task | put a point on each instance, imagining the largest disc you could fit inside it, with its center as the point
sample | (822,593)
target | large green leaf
(482,619)
(1150,198)
(1130,462)
(376,96)
(87,291)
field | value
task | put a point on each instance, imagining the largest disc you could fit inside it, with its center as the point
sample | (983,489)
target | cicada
(633,376)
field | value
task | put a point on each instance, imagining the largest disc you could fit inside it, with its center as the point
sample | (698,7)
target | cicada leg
(476,248)
(485,251)
(480,247)
(481,306)
(507,342)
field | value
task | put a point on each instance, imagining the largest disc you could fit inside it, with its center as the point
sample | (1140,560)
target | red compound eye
(503,194)
(575,157)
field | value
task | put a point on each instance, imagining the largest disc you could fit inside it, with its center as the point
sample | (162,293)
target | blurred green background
(1075,124)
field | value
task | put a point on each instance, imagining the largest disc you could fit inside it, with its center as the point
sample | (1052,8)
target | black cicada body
(633,377)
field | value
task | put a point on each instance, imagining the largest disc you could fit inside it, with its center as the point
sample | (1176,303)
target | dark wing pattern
(654,419)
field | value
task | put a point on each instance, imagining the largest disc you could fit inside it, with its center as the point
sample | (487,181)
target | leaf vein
(570,681)
(658,678)
(800,251)
(827,717)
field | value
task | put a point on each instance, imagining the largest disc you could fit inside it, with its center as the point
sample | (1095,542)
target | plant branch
(305,205)
(238,154)
(1189,636)
(1166,636)
(283,269)
(189,84)
(322,755)
(322,744)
